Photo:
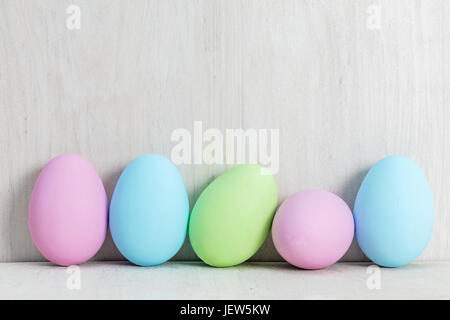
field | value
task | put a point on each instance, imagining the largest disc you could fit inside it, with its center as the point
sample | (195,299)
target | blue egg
(149,211)
(394,212)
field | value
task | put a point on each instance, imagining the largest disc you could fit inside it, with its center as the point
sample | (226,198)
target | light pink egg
(313,229)
(68,211)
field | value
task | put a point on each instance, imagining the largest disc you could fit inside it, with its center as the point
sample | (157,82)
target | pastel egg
(149,211)
(232,216)
(394,212)
(313,229)
(68,211)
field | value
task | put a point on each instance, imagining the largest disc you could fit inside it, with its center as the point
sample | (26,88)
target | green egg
(233,215)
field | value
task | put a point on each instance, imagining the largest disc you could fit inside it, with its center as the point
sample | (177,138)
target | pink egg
(313,229)
(68,211)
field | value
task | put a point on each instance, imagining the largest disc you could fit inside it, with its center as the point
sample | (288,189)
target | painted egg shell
(149,211)
(313,229)
(394,212)
(232,217)
(68,211)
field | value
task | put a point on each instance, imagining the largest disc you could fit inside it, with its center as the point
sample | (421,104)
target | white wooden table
(195,280)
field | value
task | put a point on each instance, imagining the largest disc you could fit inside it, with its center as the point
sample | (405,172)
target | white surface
(195,280)
(343,95)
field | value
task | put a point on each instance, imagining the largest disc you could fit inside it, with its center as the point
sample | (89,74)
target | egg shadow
(267,249)
(186,253)
(348,193)
(22,248)
(109,251)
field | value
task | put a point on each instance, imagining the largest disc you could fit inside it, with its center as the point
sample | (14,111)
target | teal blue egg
(394,212)
(149,211)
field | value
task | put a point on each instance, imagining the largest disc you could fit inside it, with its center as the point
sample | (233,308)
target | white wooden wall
(343,93)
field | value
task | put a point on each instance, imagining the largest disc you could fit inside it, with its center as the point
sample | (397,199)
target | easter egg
(394,212)
(232,216)
(68,211)
(313,229)
(149,211)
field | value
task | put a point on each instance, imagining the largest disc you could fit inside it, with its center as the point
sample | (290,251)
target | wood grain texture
(343,95)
